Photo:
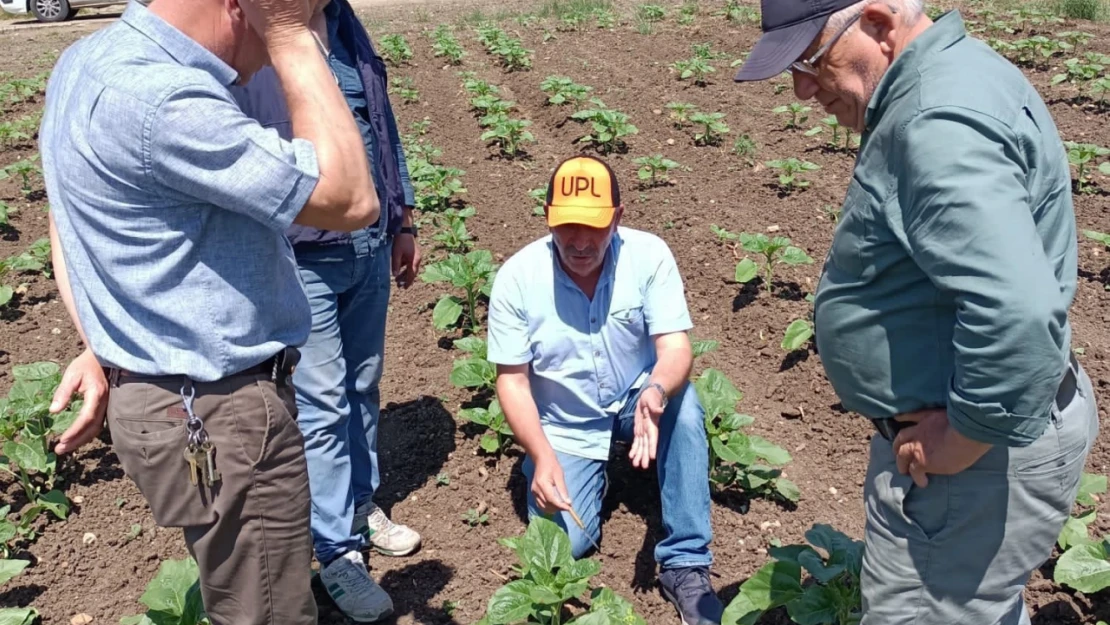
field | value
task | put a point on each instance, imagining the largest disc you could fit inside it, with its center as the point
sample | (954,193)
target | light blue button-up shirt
(585,355)
(171,205)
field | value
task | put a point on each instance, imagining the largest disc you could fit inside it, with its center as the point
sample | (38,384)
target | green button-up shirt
(954,263)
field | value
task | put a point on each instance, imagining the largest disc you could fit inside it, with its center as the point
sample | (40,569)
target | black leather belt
(279,367)
(889,427)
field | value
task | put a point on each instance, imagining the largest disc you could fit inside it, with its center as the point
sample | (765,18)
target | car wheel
(51,10)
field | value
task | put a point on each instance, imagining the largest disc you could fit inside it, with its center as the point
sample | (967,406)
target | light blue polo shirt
(585,355)
(172,205)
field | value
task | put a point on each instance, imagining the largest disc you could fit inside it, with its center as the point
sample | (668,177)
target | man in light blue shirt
(169,208)
(588,329)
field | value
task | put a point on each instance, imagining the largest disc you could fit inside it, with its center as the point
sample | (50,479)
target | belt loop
(113,377)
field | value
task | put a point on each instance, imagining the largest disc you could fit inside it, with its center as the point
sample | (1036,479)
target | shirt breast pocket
(850,251)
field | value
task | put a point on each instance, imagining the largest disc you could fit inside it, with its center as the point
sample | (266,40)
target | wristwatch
(662,391)
(408,230)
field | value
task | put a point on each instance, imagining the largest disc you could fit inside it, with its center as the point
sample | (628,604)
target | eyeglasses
(809,66)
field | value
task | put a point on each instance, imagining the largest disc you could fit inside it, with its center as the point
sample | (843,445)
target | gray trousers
(962,549)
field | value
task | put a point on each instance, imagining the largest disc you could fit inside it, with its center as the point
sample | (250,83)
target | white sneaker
(352,589)
(384,535)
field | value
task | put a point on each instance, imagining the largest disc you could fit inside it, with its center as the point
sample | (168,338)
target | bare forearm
(673,367)
(61,277)
(523,417)
(344,197)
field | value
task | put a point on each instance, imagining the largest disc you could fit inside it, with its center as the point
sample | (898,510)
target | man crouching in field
(587,328)
(942,312)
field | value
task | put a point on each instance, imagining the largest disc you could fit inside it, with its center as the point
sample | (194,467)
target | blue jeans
(337,380)
(682,462)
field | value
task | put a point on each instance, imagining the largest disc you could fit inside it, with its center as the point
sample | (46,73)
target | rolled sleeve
(203,146)
(665,309)
(509,342)
(968,224)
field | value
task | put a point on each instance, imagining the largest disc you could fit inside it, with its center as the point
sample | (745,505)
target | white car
(53,10)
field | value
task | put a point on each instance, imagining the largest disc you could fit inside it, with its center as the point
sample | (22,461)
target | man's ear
(617,217)
(879,22)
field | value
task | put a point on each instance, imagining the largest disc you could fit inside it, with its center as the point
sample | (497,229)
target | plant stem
(472,304)
(27,486)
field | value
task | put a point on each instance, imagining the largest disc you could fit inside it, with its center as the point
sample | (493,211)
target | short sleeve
(508,342)
(665,308)
(203,146)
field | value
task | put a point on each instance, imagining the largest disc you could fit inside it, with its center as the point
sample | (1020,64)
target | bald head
(220,26)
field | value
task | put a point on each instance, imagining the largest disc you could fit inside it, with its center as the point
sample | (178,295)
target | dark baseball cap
(789,27)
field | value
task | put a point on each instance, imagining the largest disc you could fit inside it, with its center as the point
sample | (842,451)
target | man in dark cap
(942,311)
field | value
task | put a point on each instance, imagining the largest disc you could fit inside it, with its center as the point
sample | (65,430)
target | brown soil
(420,436)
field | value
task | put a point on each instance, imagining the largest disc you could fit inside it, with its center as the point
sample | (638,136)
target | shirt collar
(945,31)
(177,44)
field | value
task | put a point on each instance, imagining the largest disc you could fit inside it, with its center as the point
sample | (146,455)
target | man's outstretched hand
(645,439)
(84,375)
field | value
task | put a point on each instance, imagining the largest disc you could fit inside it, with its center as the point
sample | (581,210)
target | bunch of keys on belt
(202,463)
(200,453)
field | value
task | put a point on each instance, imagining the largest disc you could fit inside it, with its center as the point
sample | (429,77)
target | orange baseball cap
(583,190)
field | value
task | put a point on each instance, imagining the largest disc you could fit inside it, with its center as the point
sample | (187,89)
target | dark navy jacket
(262,100)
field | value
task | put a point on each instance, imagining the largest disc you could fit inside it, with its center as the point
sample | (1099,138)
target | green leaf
(704,347)
(546,546)
(619,610)
(841,548)
(592,618)
(447,312)
(1104,168)
(511,603)
(789,490)
(816,606)
(797,334)
(544,595)
(18,616)
(480,416)
(472,373)
(11,568)
(577,571)
(472,345)
(29,457)
(815,566)
(1075,531)
(774,585)
(55,501)
(6,294)
(167,591)
(1085,568)
(814,131)
(63,420)
(489,443)
(1089,486)
(140,619)
(1059,78)
(795,256)
(770,452)
(746,270)
(735,421)
(726,453)
(716,393)
(36,371)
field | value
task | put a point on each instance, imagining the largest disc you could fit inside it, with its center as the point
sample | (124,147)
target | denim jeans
(682,463)
(348,288)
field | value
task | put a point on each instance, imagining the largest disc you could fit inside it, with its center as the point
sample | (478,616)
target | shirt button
(597,353)
(593,320)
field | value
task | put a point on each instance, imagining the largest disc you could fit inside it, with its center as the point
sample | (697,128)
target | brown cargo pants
(249,532)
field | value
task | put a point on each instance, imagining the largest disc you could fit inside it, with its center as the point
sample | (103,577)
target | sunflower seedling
(509,134)
(798,112)
(395,49)
(609,127)
(473,273)
(444,44)
(735,458)
(654,169)
(453,235)
(833,125)
(697,68)
(680,112)
(404,88)
(711,128)
(774,251)
(1081,156)
(792,170)
(562,90)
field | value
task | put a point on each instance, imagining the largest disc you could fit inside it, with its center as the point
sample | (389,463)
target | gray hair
(911,11)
